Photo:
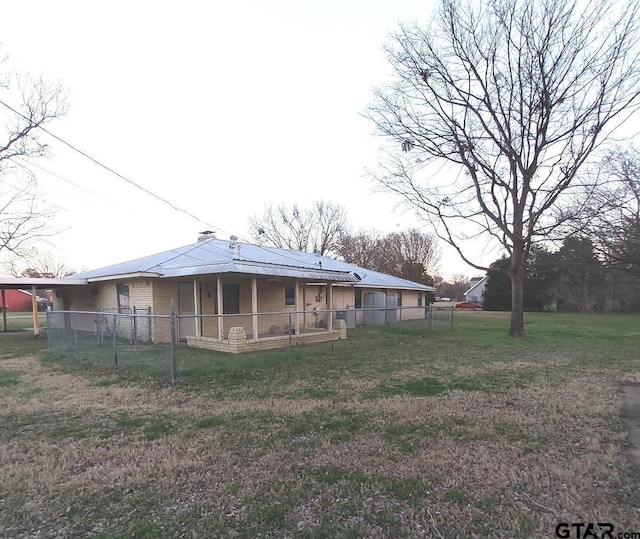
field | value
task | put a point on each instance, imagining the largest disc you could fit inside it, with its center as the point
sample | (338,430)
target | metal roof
(28,282)
(214,256)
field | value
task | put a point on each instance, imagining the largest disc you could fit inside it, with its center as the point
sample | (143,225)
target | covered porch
(243,312)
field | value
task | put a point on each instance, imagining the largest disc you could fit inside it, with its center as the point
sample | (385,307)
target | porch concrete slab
(631,416)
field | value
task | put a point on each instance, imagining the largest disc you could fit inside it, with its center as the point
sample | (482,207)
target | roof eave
(134,275)
(264,270)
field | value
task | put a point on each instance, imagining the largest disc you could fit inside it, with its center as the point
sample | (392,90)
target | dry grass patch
(460,447)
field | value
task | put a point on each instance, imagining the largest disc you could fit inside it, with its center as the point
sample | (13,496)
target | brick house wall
(310,301)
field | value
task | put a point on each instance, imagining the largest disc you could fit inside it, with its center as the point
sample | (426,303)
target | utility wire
(136,185)
(28,164)
(109,169)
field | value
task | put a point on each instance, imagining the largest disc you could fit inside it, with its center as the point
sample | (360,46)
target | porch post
(196,308)
(329,307)
(34,306)
(254,306)
(220,319)
(297,302)
(304,305)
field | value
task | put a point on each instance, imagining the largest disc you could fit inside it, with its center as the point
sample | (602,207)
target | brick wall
(237,343)
(315,299)
(162,292)
(410,310)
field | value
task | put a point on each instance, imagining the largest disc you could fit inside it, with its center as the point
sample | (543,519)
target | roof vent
(233,242)
(206,235)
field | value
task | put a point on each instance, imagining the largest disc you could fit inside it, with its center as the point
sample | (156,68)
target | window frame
(229,302)
(123,291)
(290,295)
(357,298)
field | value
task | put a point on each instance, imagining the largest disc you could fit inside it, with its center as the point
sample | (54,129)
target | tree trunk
(516,329)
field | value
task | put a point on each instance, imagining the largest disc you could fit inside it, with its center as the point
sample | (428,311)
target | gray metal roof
(214,256)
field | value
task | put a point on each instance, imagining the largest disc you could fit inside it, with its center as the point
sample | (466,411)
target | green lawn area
(396,432)
(21,321)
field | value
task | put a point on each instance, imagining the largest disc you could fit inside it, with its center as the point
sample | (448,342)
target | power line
(109,169)
(131,182)
(28,164)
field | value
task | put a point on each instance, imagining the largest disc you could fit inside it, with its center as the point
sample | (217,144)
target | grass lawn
(21,321)
(395,432)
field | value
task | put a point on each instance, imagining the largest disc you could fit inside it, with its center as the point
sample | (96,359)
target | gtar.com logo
(591,530)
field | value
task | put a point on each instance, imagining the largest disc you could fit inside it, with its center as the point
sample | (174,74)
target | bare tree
(611,211)
(454,288)
(26,104)
(361,248)
(317,228)
(509,98)
(460,284)
(331,225)
(37,263)
(409,254)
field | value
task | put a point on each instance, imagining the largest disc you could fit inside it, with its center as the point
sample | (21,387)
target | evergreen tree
(541,276)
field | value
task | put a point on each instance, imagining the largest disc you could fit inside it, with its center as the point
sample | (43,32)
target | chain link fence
(112,338)
(140,340)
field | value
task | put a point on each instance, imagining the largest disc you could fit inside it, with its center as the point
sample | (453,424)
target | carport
(32,284)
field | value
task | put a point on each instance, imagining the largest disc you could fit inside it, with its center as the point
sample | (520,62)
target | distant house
(476,290)
(226,291)
(17,301)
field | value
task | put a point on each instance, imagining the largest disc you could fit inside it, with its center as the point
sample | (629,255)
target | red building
(17,300)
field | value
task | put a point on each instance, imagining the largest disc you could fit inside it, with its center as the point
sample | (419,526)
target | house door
(186,308)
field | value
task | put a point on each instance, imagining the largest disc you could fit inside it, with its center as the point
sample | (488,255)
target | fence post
(431,317)
(75,341)
(48,315)
(451,325)
(149,323)
(174,368)
(134,326)
(289,331)
(114,338)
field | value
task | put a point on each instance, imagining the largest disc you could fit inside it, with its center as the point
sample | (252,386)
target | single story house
(227,292)
(476,289)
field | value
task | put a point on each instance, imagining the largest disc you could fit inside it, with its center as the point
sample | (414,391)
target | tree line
(597,267)
(324,228)
(573,279)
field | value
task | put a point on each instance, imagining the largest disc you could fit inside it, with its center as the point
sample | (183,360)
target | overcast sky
(217,107)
